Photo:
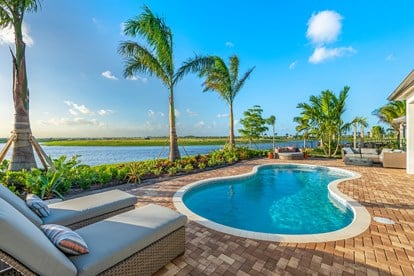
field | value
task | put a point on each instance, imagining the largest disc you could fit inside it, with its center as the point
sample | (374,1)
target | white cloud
(222,115)
(105,112)
(161,114)
(200,124)
(191,113)
(321,54)
(107,74)
(292,66)
(177,113)
(390,57)
(324,27)
(7,35)
(73,112)
(78,108)
(150,113)
(229,44)
(135,78)
(72,122)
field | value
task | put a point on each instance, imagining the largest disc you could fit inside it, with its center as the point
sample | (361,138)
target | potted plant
(270,155)
(305,152)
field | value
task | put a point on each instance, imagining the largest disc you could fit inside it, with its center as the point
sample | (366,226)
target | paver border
(360,223)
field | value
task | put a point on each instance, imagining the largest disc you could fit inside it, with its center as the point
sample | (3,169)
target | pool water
(278,199)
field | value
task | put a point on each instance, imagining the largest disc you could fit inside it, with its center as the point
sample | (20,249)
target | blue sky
(299,48)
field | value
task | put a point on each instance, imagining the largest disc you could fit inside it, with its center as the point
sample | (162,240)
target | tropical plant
(392,110)
(377,132)
(11,16)
(220,77)
(324,114)
(154,58)
(253,124)
(302,126)
(44,184)
(134,174)
(272,122)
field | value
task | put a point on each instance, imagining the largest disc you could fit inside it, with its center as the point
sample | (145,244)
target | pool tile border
(360,223)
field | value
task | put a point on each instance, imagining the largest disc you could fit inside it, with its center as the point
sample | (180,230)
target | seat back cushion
(369,151)
(19,205)
(24,241)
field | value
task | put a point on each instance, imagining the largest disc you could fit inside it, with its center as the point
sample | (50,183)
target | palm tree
(303,126)
(392,110)
(324,114)
(272,121)
(220,78)
(361,122)
(155,58)
(11,15)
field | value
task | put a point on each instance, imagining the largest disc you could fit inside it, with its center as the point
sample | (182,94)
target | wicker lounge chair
(394,160)
(76,212)
(138,242)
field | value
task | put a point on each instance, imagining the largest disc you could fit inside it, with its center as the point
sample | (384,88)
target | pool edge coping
(361,221)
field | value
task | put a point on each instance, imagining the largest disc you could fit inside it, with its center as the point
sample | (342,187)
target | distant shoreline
(145,142)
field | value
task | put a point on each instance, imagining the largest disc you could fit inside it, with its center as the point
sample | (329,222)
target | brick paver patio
(380,250)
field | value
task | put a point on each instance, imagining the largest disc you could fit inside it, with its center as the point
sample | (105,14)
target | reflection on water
(112,155)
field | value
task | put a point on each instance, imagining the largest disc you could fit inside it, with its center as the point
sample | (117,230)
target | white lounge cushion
(114,239)
(78,209)
(24,241)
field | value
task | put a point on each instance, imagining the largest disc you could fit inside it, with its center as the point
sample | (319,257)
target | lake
(111,155)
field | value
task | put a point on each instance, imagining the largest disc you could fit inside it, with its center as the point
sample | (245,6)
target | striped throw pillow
(66,240)
(37,205)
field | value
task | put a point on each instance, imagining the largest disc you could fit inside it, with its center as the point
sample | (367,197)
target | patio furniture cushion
(19,204)
(114,239)
(37,205)
(348,150)
(74,210)
(27,243)
(65,239)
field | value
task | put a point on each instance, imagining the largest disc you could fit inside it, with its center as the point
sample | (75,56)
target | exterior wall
(410,134)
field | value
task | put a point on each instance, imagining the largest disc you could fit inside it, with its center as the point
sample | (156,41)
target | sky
(299,48)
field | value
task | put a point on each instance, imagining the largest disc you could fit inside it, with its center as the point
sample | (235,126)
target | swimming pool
(275,202)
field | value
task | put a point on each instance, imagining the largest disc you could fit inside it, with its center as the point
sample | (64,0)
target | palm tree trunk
(22,155)
(355,136)
(174,153)
(231,124)
(362,136)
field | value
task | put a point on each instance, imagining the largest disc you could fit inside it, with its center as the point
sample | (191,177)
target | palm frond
(234,69)
(139,59)
(238,86)
(198,64)
(156,34)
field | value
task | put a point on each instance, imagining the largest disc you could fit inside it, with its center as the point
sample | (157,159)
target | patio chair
(137,242)
(76,212)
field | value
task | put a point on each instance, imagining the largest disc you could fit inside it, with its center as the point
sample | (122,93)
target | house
(405,91)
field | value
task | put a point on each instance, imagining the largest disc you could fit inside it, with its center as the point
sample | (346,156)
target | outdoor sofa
(389,158)
(77,212)
(137,242)
(366,153)
(288,153)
